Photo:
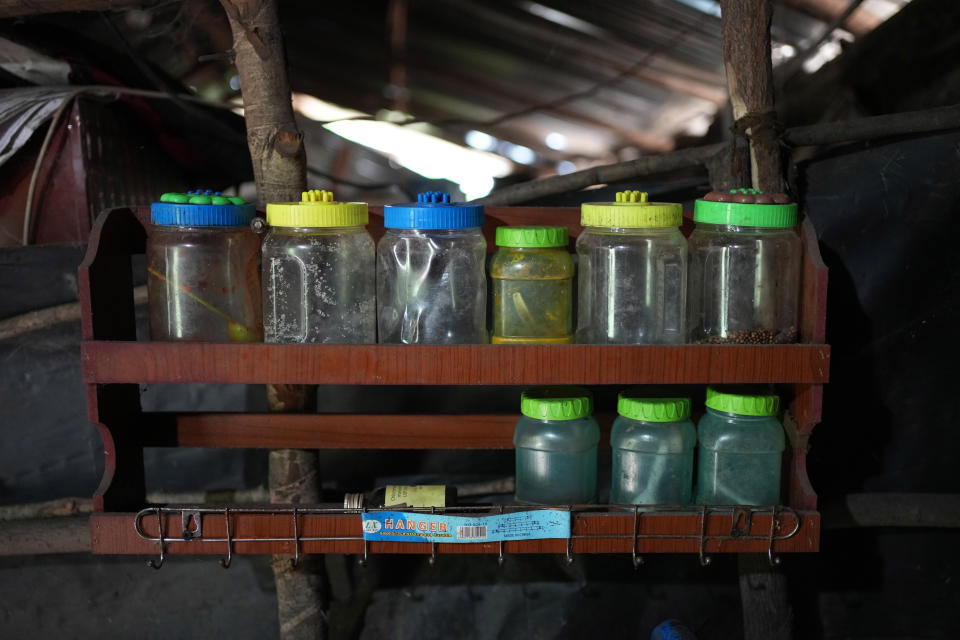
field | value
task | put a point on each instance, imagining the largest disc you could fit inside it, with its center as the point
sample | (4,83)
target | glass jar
(556,447)
(532,276)
(633,272)
(431,279)
(744,269)
(203,277)
(652,441)
(319,273)
(740,449)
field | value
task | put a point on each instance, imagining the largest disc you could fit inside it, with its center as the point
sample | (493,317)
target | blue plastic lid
(201,209)
(433,210)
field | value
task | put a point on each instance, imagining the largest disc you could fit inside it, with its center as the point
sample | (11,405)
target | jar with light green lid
(633,272)
(740,450)
(532,276)
(744,283)
(652,441)
(556,447)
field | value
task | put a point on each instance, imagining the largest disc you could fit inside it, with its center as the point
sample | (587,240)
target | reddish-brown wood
(340,431)
(117,362)
(813,288)
(114,533)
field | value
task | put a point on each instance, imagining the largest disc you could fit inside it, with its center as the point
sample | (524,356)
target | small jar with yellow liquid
(532,275)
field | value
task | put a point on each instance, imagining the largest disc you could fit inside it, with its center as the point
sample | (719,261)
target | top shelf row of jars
(640,281)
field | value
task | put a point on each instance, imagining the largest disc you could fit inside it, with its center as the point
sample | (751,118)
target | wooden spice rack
(114,364)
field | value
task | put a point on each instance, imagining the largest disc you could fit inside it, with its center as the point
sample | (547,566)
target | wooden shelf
(109,362)
(606,530)
(114,363)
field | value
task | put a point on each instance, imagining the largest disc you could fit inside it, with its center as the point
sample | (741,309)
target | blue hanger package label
(401,526)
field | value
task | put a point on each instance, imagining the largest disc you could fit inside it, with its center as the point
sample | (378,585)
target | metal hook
(774,525)
(569,557)
(225,562)
(363,561)
(704,559)
(151,563)
(500,558)
(433,545)
(295,560)
(637,560)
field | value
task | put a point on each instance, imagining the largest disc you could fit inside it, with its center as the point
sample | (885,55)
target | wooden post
(767,613)
(280,171)
(746,59)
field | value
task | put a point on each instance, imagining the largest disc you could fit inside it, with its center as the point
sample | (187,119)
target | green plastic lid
(653,409)
(743,404)
(739,214)
(532,237)
(556,403)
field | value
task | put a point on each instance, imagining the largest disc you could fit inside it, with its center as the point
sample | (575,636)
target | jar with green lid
(744,269)
(740,449)
(633,272)
(319,272)
(652,441)
(556,447)
(532,275)
(203,278)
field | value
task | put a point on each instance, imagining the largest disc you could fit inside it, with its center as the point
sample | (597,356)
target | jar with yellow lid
(319,272)
(532,274)
(633,272)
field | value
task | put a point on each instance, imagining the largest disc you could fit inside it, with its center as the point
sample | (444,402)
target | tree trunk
(746,58)
(280,170)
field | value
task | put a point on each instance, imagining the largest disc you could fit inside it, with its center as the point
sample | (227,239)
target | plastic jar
(532,276)
(740,449)
(744,269)
(319,273)
(203,278)
(652,441)
(633,272)
(556,447)
(431,280)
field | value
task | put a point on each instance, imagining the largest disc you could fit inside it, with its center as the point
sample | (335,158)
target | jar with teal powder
(740,449)
(653,441)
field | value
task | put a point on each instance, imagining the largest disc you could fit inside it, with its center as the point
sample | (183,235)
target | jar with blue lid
(431,280)
(203,278)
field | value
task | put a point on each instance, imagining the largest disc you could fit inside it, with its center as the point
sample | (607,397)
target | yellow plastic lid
(631,211)
(317,209)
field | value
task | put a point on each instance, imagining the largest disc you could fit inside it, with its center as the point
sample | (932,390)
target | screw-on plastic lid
(532,237)
(743,404)
(556,403)
(631,211)
(745,214)
(433,210)
(201,209)
(652,409)
(317,209)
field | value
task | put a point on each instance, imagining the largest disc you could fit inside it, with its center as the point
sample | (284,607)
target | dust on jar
(744,269)
(203,279)
(652,441)
(556,447)
(532,276)
(431,277)
(633,272)
(740,448)
(319,272)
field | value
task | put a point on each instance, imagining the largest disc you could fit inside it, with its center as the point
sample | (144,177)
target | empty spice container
(740,449)
(532,276)
(319,272)
(633,272)
(431,279)
(556,447)
(203,279)
(744,269)
(653,441)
